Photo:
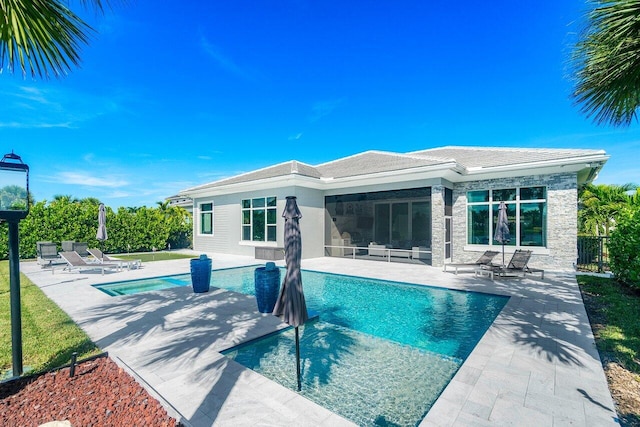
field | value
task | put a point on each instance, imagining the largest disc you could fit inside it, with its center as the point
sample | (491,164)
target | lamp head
(14,188)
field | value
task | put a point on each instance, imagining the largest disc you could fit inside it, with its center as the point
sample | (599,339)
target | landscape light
(14,206)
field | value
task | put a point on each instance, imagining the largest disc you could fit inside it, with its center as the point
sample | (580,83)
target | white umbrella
(101,234)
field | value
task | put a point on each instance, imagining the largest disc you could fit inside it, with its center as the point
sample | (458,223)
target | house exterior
(433,206)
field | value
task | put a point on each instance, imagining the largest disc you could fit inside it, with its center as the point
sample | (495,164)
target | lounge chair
(47,254)
(101,257)
(76,262)
(485,259)
(518,266)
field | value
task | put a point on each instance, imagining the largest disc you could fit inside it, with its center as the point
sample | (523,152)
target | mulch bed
(99,394)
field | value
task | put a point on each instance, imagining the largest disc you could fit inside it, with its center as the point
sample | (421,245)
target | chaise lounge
(101,258)
(75,262)
(518,266)
(485,259)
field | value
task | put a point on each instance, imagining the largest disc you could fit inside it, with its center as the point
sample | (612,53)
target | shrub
(130,229)
(624,249)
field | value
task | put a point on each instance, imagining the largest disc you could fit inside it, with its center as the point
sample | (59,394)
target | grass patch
(614,313)
(49,336)
(154,256)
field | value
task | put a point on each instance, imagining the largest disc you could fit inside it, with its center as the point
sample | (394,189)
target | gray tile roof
(486,157)
(374,162)
(371,162)
(282,169)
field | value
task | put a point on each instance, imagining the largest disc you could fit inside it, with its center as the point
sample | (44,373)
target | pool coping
(536,365)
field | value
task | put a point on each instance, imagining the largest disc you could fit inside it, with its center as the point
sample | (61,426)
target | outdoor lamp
(14,206)
(14,188)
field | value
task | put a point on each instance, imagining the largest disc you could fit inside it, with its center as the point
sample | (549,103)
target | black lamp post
(14,206)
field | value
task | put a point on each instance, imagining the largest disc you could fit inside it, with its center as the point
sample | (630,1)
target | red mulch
(100,394)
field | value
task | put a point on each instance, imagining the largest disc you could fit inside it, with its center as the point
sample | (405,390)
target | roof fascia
(256,185)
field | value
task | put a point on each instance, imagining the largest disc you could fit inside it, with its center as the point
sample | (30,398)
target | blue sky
(171,97)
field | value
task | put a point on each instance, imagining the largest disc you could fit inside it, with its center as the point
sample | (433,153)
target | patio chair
(101,257)
(518,266)
(76,262)
(47,254)
(484,259)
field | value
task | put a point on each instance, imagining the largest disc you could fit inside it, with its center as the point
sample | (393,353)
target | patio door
(448,223)
(392,223)
(403,224)
(448,232)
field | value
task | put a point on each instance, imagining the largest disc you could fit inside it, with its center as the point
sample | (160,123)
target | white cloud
(223,61)
(295,137)
(323,108)
(33,107)
(89,179)
(25,125)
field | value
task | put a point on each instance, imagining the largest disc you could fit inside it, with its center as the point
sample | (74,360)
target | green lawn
(614,313)
(49,336)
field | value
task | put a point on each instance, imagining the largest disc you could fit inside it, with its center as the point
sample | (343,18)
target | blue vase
(267,284)
(201,274)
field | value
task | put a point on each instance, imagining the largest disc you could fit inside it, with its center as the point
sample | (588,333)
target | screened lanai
(383,225)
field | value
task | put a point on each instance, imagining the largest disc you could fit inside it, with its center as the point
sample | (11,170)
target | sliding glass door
(382,222)
(403,224)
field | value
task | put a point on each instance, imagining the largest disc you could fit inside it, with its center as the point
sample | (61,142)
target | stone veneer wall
(562,219)
(437,225)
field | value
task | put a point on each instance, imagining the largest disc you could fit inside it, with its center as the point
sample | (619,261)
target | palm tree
(607,59)
(43,37)
(600,205)
(65,198)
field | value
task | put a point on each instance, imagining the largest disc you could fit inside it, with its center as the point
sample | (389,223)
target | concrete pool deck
(537,365)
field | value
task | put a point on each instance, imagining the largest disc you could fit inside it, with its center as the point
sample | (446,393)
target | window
(526,210)
(206,218)
(259,219)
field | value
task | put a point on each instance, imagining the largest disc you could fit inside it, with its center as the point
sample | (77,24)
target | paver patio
(537,365)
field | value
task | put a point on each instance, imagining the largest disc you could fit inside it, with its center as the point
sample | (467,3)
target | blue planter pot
(201,274)
(267,284)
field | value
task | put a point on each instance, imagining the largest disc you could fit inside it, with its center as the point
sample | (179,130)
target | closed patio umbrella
(290,305)
(101,234)
(501,234)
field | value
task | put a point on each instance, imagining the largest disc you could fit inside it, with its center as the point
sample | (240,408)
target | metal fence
(593,253)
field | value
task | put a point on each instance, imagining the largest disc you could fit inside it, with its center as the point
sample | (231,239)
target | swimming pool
(381,352)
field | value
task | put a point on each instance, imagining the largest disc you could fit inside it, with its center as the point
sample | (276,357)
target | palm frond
(42,37)
(607,63)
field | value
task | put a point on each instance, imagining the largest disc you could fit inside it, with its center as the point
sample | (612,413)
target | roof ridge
(485,148)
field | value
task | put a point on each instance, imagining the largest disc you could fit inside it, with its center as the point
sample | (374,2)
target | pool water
(381,352)
(144,285)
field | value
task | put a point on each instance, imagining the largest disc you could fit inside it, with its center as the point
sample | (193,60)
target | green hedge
(129,229)
(624,249)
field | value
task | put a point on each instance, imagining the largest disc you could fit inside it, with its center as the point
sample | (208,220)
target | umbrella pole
(298,359)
